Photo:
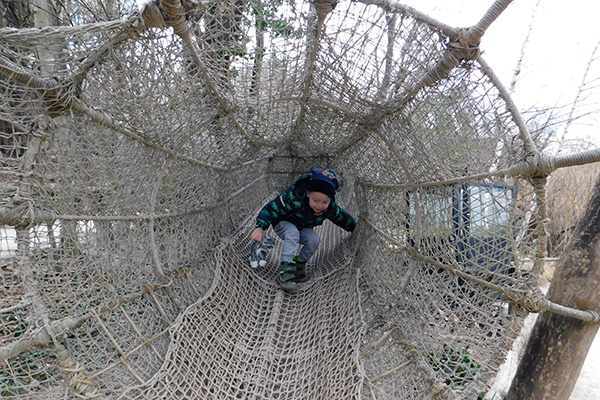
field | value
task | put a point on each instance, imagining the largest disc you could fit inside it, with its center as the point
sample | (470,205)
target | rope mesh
(136,152)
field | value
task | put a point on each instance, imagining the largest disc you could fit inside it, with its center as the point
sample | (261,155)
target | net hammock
(137,149)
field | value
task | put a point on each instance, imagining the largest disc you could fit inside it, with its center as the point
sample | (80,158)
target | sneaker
(301,276)
(287,276)
(254,254)
(265,246)
(259,251)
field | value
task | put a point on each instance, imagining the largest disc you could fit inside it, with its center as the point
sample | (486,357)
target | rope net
(137,148)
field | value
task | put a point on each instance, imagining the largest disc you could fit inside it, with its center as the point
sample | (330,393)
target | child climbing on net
(293,215)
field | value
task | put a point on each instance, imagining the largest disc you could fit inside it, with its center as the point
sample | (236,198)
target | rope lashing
(23,214)
(57,97)
(174,15)
(153,17)
(533,301)
(324,7)
(535,165)
(163,13)
(464,46)
(528,299)
(78,380)
(544,164)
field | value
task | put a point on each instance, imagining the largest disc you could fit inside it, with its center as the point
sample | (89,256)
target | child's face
(318,201)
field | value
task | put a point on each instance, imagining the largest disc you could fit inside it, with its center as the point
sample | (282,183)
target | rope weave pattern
(135,154)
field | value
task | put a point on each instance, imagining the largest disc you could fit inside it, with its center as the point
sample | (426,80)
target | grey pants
(292,238)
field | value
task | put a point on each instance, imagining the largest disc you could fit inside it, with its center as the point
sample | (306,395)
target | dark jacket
(293,206)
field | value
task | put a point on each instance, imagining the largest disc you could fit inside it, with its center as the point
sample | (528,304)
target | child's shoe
(259,251)
(301,276)
(254,247)
(265,246)
(287,276)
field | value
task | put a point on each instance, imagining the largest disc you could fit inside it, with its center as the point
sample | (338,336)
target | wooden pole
(558,344)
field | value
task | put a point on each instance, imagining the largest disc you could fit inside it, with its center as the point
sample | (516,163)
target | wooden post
(558,345)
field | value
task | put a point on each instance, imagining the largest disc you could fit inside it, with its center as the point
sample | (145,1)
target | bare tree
(580,91)
(569,190)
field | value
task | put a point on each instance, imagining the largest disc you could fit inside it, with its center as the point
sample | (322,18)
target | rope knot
(529,300)
(465,45)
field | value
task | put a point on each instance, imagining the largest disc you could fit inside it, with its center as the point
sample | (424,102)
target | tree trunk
(558,345)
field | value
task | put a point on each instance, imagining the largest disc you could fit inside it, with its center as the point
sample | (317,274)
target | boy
(294,214)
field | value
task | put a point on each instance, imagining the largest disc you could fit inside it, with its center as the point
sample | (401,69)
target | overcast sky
(560,47)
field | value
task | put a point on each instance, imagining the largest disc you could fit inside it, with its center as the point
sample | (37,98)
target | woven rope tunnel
(137,147)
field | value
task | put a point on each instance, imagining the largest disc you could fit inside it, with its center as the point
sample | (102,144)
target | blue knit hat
(324,181)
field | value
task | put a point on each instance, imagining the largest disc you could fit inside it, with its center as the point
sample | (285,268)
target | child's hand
(257,235)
